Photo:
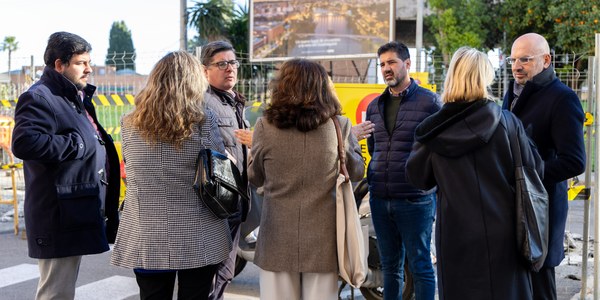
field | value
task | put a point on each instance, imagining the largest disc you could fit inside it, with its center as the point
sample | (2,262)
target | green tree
(457,23)
(10,44)
(575,23)
(121,52)
(211,18)
(518,17)
(569,26)
(236,31)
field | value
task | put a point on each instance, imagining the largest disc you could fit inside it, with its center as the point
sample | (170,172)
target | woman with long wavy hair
(295,160)
(165,230)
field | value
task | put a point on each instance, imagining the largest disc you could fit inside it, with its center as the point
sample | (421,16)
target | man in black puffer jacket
(402,214)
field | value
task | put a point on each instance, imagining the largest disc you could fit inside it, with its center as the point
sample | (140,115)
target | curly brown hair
(171,102)
(302,96)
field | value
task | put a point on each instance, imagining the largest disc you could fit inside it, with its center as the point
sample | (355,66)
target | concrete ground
(568,274)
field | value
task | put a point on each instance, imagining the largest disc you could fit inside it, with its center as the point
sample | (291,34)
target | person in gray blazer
(294,158)
(166,231)
(221,67)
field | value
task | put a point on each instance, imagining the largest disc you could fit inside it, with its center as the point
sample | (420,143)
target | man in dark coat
(552,115)
(71,167)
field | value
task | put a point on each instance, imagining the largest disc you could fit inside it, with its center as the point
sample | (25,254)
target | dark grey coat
(230,117)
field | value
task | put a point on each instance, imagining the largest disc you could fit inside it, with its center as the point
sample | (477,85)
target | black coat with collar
(553,117)
(59,148)
(464,149)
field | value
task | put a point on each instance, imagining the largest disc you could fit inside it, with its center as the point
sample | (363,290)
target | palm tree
(211,18)
(238,29)
(10,44)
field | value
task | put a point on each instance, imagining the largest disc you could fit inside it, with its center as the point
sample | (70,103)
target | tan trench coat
(298,171)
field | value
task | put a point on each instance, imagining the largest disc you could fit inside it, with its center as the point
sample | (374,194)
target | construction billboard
(318,29)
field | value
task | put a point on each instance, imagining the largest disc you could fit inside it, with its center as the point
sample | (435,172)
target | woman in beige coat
(295,159)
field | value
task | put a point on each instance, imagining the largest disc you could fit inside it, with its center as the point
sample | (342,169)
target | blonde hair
(171,102)
(469,75)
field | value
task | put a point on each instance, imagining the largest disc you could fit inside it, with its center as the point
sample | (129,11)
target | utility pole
(419,33)
(183,25)
(597,180)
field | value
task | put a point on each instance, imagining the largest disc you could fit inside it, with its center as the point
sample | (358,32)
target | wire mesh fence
(117,73)
(118,77)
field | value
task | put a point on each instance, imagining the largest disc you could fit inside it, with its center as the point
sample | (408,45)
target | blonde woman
(464,149)
(165,230)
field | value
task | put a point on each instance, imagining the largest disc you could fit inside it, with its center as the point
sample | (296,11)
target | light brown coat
(298,171)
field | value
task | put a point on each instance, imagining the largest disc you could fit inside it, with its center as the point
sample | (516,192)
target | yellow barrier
(97,100)
(14,201)
(589,119)
(578,191)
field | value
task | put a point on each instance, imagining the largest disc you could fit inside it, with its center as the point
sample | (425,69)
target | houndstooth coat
(164,225)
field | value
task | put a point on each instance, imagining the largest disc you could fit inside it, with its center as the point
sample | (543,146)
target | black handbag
(531,207)
(220,185)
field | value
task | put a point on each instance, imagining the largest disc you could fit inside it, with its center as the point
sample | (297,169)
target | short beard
(80,86)
(392,83)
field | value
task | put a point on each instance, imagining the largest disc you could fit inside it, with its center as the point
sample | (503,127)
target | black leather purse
(531,204)
(220,185)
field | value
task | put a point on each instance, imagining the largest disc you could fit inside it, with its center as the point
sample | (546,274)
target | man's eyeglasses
(222,65)
(522,60)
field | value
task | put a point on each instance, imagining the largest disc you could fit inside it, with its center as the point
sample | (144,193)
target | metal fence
(255,77)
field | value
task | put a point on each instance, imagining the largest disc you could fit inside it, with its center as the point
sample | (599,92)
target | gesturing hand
(244,136)
(363,130)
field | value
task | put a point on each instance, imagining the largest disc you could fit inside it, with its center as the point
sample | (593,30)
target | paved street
(99,280)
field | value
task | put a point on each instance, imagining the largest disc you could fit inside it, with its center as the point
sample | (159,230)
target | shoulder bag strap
(341,152)
(515,146)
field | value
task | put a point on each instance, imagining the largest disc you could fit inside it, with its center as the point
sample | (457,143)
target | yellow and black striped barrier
(113,130)
(589,119)
(12,166)
(8,103)
(113,100)
(97,100)
(578,191)
(6,122)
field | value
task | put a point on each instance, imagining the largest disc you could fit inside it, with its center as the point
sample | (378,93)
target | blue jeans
(403,226)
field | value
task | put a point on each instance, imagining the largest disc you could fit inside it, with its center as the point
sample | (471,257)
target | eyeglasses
(222,65)
(522,60)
